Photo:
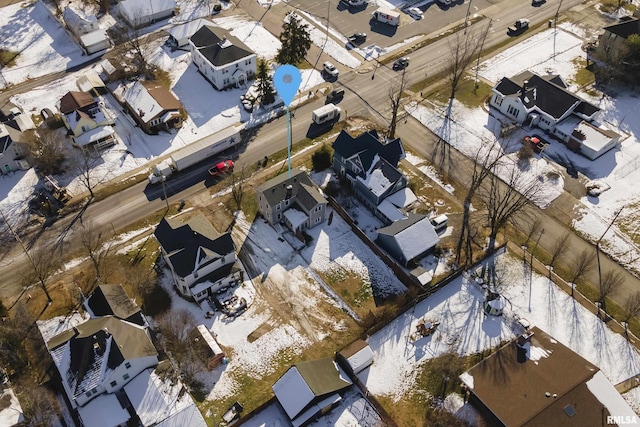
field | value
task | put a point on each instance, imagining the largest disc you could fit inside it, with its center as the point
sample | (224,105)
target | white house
(545,103)
(138,13)
(100,356)
(14,155)
(153,106)
(201,260)
(221,58)
(87,30)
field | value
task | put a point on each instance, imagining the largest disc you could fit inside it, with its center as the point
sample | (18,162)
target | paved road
(363,93)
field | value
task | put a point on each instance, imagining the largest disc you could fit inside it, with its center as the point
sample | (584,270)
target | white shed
(358,356)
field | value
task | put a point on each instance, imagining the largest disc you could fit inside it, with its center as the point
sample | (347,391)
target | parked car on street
(538,2)
(401,63)
(357,38)
(221,168)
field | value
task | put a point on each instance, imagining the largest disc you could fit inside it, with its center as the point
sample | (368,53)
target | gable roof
(514,390)
(142,9)
(74,17)
(380,176)
(85,353)
(547,93)
(304,382)
(405,231)
(303,189)
(218,46)
(367,145)
(150,99)
(625,29)
(74,100)
(107,300)
(5,139)
(188,243)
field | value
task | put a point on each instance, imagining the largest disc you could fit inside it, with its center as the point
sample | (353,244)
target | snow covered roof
(149,99)
(89,80)
(544,385)
(136,9)
(402,198)
(375,179)
(295,217)
(159,403)
(597,138)
(209,339)
(103,411)
(358,354)
(93,38)
(406,231)
(307,383)
(390,211)
(181,33)
(94,135)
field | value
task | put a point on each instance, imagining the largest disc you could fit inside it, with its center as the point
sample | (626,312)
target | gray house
(370,165)
(408,238)
(294,201)
(202,261)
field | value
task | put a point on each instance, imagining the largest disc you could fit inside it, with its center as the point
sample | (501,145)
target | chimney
(524,85)
(522,346)
(289,191)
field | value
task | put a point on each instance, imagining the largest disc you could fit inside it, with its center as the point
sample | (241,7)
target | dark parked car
(518,27)
(335,95)
(357,38)
(401,64)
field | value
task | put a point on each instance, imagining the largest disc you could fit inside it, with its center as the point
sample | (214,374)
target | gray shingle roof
(367,145)
(275,190)
(218,46)
(183,241)
(625,29)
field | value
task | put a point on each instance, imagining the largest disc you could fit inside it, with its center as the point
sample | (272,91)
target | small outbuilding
(206,347)
(400,238)
(356,357)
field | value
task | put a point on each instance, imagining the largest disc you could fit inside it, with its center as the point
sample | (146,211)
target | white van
(325,114)
(440,223)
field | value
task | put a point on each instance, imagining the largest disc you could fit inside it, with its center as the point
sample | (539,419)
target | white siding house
(221,58)
(138,13)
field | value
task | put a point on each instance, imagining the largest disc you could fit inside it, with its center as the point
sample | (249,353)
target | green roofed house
(202,261)
(112,300)
(310,389)
(297,202)
(536,381)
(100,356)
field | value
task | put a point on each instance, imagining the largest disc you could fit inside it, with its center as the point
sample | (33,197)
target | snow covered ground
(465,329)
(619,168)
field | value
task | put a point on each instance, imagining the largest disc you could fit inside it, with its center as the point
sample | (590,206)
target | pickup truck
(221,168)
(518,27)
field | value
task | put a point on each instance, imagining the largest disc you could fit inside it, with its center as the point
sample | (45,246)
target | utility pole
(555,28)
(617,213)
(466,19)
(475,87)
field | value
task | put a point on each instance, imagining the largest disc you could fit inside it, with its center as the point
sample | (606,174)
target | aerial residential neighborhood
(330,213)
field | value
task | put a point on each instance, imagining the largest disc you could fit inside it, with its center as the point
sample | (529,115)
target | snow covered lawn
(465,329)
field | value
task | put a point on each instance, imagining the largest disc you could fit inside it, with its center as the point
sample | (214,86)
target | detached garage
(356,357)
(409,238)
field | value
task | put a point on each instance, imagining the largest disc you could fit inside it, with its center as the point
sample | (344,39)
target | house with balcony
(545,103)
(221,58)
(369,163)
(202,260)
(292,200)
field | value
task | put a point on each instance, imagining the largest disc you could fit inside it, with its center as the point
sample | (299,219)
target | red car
(537,144)
(221,168)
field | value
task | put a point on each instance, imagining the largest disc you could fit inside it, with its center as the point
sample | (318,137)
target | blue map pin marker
(287,79)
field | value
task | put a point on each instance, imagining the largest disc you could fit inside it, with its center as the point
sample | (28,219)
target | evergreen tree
(265,86)
(295,40)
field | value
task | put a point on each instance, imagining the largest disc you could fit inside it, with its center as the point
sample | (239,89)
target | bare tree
(84,165)
(44,260)
(609,284)
(395,99)
(583,262)
(484,162)
(534,225)
(40,406)
(132,39)
(48,148)
(13,330)
(631,307)
(463,48)
(560,247)
(96,245)
(506,199)
(237,181)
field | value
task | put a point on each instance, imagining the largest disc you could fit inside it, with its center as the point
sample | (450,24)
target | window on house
(113,383)
(125,377)
(286,202)
(279,217)
(317,220)
(88,394)
(127,365)
(278,207)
